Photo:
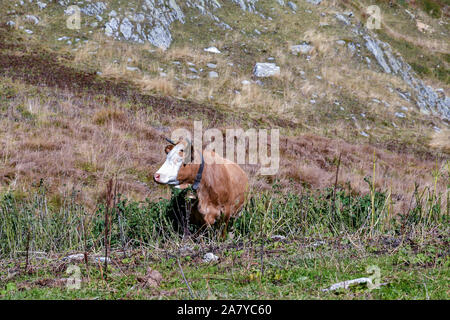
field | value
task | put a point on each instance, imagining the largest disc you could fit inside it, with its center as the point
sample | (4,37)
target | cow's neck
(198,176)
(191,174)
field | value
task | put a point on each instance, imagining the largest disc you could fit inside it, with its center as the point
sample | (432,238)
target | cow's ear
(168,148)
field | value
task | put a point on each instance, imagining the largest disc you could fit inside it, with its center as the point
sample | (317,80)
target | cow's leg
(227,219)
(224,232)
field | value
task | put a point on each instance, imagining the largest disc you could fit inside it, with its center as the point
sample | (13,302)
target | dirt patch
(39,67)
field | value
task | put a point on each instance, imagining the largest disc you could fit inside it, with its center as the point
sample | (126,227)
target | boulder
(265,69)
(303,48)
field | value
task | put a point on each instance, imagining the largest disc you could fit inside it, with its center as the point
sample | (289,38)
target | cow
(220,184)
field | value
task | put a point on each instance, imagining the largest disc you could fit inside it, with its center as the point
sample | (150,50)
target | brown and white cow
(221,185)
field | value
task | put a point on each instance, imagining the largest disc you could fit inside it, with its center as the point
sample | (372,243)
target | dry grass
(441,141)
(186,54)
(160,85)
(79,141)
(86,143)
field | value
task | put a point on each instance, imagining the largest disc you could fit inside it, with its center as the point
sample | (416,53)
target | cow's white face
(168,173)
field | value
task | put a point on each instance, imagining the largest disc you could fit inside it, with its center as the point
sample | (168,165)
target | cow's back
(224,185)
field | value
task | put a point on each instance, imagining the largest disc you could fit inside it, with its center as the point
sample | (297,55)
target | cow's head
(178,155)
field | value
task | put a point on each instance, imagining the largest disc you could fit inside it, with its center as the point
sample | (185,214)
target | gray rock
(32,19)
(373,46)
(211,65)
(314,2)
(303,48)
(93,9)
(11,23)
(101,259)
(213,74)
(78,257)
(41,5)
(111,27)
(247,5)
(318,243)
(126,28)
(210,257)
(265,69)
(160,37)
(342,18)
(292,5)
(364,134)
(400,115)
(427,100)
(212,50)
(349,283)
(351,47)
(280,2)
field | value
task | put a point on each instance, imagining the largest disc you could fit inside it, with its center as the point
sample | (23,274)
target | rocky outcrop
(428,100)
(150,20)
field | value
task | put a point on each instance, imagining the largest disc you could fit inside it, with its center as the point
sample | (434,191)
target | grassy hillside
(78,107)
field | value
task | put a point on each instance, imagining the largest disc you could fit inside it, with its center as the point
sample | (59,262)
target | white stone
(292,5)
(212,50)
(302,48)
(126,28)
(266,69)
(209,257)
(32,18)
(213,74)
(41,5)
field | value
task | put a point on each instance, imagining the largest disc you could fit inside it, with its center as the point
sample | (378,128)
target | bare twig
(185,280)
(83,226)
(335,183)
(262,257)
(28,249)
(109,205)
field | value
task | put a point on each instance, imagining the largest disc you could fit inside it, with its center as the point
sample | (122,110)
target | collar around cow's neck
(198,177)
